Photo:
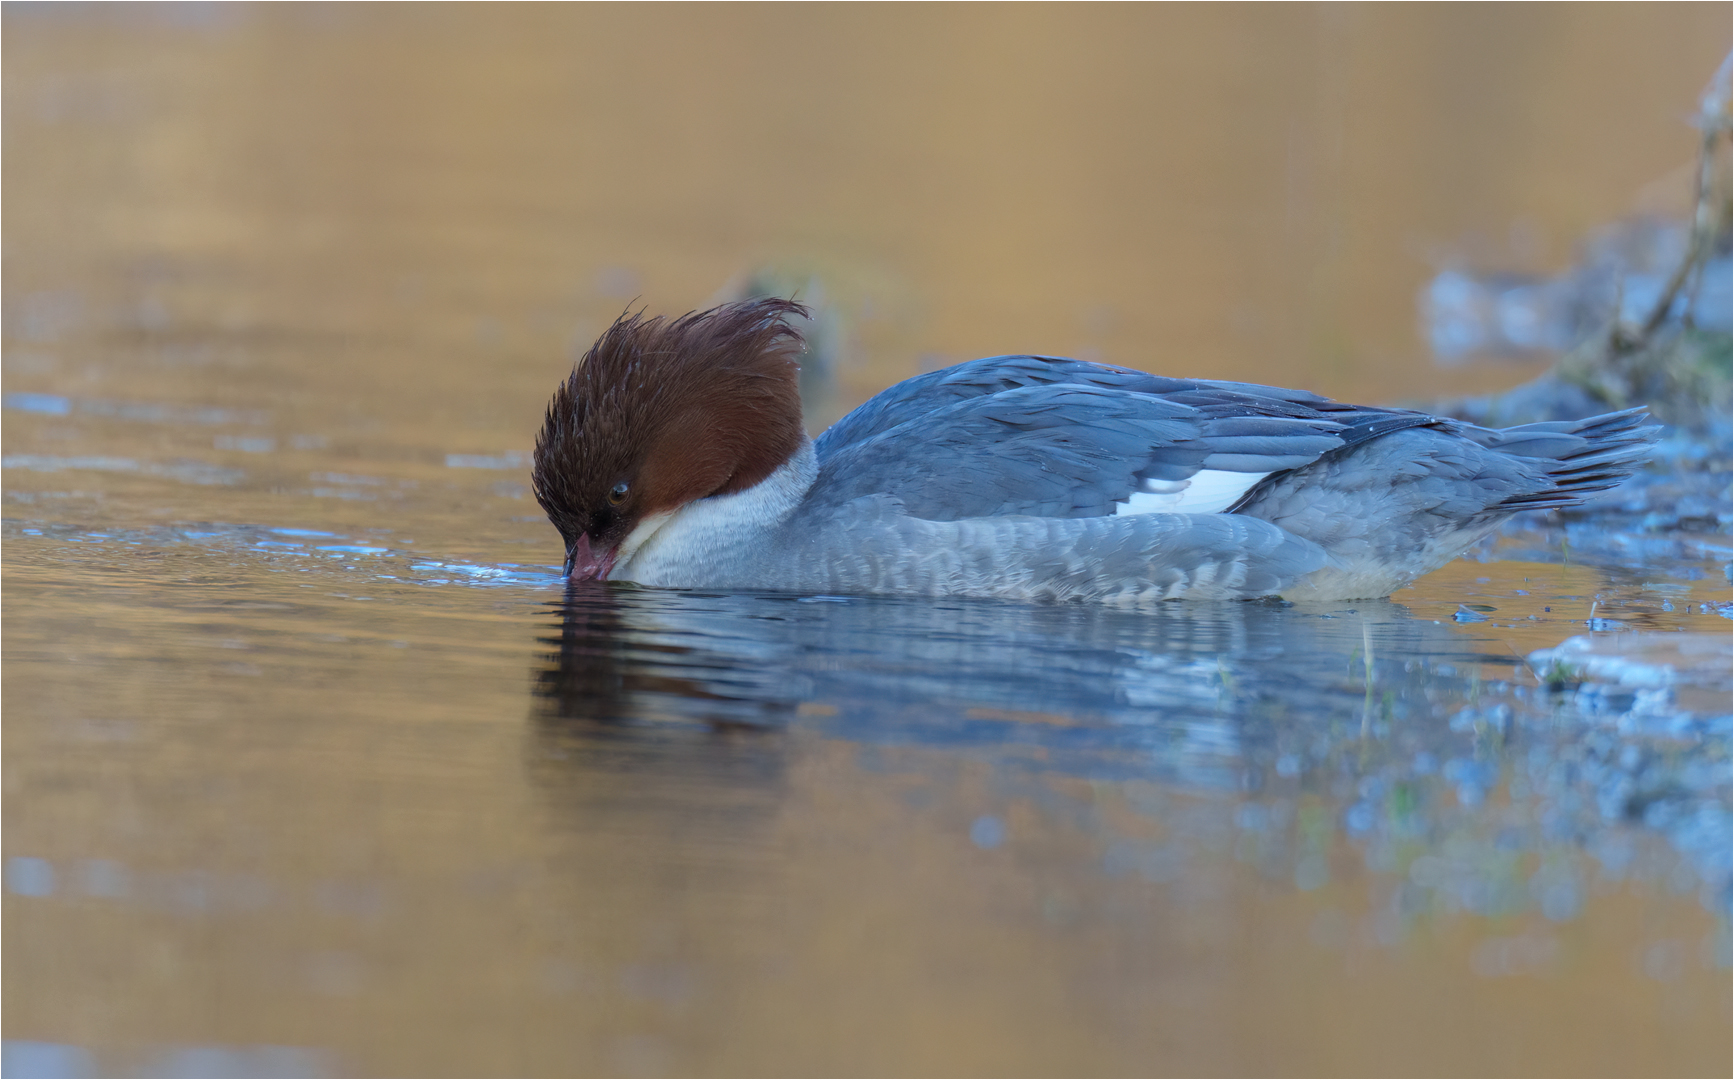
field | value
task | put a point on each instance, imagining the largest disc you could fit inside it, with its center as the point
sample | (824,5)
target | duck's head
(660,413)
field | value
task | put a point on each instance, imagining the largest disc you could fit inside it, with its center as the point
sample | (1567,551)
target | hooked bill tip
(585,563)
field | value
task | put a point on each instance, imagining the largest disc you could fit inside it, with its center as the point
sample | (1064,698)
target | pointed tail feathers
(1581,457)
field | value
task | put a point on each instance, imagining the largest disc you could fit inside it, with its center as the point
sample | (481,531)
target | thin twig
(1713,124)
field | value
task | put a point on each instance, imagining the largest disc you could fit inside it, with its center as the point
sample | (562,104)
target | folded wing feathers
(1066,438)
(1072,449)
(993,375)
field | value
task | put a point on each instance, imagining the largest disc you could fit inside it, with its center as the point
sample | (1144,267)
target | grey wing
(1062,450)
(925,394)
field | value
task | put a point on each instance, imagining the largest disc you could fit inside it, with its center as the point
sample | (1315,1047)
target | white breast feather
(1209,491)
(665,548)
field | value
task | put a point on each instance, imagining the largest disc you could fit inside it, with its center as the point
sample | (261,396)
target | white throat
(674,547)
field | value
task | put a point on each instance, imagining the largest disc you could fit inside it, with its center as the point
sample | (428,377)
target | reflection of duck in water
(620,664)
(674,455)
(651,673)
(654,757)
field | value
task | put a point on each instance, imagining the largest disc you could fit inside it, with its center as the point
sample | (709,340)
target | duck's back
(1384,494)
(1052,437)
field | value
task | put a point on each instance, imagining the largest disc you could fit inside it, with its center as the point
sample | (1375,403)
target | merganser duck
(675,456)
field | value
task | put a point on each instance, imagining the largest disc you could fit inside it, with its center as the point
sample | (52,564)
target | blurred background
(310,769)
(1255,192)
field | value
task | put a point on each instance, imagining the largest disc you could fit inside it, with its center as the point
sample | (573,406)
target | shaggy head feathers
(658,413)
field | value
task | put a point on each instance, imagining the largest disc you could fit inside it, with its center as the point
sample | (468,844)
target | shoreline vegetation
(1662,360)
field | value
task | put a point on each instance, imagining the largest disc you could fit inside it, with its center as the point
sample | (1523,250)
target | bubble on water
(28,876)
(987,832)
(29,1057)
(245,444)
(47,404)
(486,461)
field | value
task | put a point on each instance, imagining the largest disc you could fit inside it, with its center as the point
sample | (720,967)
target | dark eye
(618,495)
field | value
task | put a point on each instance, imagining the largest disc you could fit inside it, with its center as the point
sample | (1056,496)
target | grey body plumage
(1001,478)
(872,546)
(1044,478)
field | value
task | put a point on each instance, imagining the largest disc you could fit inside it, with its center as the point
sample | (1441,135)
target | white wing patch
(1209,491)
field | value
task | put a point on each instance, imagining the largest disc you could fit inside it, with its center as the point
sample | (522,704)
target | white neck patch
(665,547)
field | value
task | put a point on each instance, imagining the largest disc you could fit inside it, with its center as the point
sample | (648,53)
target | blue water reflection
(1276,731)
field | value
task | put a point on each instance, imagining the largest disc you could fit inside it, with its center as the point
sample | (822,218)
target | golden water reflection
(424,836)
